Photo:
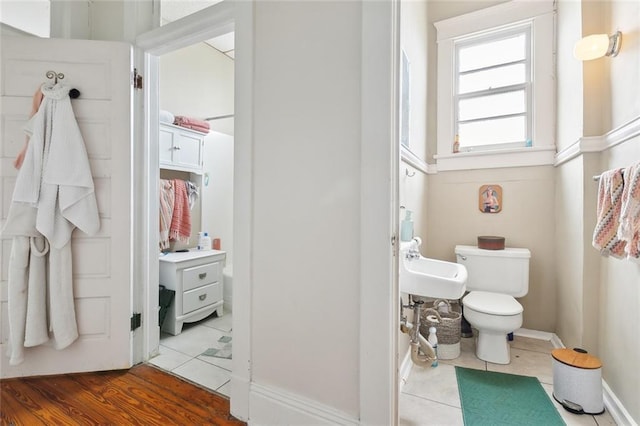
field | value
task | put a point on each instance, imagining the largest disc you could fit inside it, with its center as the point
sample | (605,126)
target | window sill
(520,157)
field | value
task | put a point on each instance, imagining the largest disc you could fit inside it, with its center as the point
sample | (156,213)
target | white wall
(598,298)
(198,81)
(217,200)
(29,16)
(305,318)
(412,181)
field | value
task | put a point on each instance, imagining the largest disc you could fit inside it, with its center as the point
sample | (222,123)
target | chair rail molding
(585,144)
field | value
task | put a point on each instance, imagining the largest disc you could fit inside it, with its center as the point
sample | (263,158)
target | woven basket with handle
(447,324)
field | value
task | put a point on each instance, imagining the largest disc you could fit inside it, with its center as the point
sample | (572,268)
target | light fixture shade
(596,46)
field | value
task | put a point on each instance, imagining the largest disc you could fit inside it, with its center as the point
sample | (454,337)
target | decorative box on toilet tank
(577,381)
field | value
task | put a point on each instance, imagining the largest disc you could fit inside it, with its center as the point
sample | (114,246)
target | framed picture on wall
(490,199)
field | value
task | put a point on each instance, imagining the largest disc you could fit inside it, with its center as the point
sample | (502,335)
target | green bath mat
(492,399)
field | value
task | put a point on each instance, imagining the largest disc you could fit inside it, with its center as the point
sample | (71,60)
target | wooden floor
(142,395)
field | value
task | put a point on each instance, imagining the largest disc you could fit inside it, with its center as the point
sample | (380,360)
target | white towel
(55,176)
(629,228)
(36,332)
(53,195)
(17,298)
(63,326)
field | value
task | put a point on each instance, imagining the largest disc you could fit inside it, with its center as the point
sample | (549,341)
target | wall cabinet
(196,277)
(180,148)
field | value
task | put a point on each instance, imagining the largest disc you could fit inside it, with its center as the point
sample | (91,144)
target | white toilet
(495,278)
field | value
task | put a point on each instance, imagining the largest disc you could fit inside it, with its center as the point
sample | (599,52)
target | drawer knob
(202,296)
(202,275)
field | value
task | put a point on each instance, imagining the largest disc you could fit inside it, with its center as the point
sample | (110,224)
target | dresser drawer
(201,297)
(201,275)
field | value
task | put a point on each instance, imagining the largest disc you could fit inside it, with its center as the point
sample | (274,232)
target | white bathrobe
(54,194)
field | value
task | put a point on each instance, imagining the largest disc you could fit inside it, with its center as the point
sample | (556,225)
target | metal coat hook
(55,76)
(408,173)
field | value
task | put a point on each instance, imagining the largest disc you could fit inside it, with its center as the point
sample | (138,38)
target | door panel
(101,263)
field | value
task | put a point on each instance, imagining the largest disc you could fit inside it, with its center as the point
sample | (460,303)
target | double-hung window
(493,90)
(496,87)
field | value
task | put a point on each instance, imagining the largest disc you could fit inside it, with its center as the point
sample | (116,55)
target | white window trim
(541,15)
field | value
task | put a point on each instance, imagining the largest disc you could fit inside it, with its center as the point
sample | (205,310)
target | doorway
(162,60)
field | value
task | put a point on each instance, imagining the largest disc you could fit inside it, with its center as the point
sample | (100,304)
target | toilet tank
(499,271)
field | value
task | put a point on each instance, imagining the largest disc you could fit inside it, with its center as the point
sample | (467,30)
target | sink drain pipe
(422,353)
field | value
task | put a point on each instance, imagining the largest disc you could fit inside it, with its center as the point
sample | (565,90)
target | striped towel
(180,228)
(167,198)
(629,228)
(605,236)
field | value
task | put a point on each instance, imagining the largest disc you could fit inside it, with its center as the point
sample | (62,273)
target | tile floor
(430,395)
(182,354)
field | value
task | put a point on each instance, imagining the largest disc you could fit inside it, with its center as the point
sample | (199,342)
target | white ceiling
(172,10)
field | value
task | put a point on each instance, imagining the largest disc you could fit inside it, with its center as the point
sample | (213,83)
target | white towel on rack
(629,228)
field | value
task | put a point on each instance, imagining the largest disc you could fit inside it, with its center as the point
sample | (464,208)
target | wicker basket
(447,324)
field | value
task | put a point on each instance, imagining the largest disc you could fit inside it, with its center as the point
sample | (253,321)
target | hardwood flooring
(142,395)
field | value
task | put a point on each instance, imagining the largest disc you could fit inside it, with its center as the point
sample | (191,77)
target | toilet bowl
(494,315)
(227,288)
(495,278)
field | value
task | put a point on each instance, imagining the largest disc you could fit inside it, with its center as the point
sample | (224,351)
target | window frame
(538,18)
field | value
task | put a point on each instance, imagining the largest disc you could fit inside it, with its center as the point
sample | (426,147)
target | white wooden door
(101,71)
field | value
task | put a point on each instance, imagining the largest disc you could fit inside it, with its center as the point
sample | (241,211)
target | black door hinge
(136,321)
(137,79)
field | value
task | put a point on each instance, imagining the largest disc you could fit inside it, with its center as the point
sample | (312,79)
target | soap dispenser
(406,227)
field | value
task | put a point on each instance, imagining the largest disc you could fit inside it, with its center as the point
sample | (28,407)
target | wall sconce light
(596,46)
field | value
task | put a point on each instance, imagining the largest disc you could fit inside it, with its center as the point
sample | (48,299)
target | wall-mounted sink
(426,277)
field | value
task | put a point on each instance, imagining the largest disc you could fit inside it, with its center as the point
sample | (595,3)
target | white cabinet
(180,148)
(196,277)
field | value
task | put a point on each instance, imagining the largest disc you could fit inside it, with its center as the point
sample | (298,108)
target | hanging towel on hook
(53,195)
(167,198)
(629,228)
(192,191)
(180,229)
(605,237)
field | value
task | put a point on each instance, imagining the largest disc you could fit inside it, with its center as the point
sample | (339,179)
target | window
(495,87)
(492,100)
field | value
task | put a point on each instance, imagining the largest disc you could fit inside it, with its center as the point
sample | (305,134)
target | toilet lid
(492,303)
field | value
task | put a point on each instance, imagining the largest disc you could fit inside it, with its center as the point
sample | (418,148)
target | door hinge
(136,320)
(137,79)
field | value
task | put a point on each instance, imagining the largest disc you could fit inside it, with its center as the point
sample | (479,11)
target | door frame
(207,23)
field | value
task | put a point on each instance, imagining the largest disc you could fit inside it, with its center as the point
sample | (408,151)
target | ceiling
(173,10)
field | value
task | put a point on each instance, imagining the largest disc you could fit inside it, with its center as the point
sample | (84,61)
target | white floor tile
(222,323)
(415,411)
(527,363)
(436,384)
(194,340)
(225,389)
(168,359)
(227,364)
(203,373)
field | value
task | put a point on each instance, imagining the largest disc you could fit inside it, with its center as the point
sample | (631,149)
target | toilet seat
(492,303)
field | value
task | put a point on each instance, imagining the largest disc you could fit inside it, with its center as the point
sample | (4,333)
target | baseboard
(405,369)
(535,334)
(615,407)
(611,401)
(270,406)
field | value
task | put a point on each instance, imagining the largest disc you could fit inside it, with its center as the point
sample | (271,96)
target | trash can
(166,298)
(577,381)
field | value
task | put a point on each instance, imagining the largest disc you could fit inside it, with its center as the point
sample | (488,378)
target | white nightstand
(196,277)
